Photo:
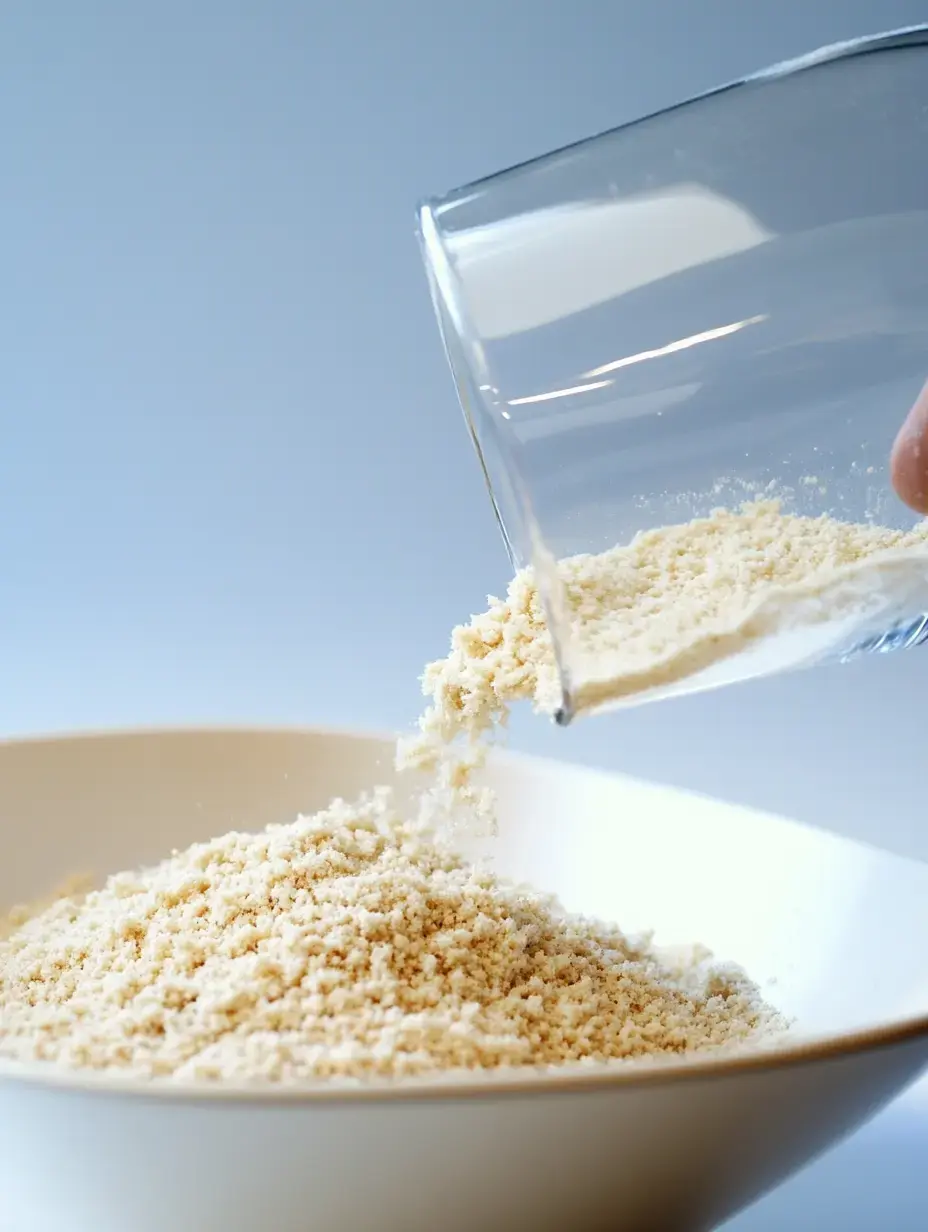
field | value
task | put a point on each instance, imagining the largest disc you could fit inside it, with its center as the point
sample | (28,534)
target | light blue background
(234,482)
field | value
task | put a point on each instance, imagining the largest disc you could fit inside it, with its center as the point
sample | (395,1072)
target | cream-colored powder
(671,604)
(352,944)
(347,945)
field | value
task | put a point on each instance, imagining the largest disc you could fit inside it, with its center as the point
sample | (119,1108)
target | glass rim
(887,40)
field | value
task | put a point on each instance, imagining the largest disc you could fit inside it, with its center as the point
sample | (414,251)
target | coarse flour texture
(356,943)
(346,945)
(672,603)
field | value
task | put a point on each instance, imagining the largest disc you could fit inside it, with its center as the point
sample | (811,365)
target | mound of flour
(346,945)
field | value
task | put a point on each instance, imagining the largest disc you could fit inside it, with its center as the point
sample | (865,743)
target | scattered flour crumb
(347,945)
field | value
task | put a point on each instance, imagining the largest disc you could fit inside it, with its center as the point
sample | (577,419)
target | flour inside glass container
(739,593)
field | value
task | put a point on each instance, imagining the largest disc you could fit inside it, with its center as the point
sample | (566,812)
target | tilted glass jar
(722,305)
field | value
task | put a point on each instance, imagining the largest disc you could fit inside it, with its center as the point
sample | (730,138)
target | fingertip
(908,461)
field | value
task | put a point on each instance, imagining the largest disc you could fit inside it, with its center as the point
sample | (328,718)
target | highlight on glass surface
(721,306)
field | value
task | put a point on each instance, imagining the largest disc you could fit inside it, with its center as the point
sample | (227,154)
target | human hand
(908,463)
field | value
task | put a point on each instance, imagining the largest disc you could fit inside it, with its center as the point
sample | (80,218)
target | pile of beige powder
(345,945)
(356,944)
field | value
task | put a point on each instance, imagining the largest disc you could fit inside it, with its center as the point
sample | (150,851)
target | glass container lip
(888,40)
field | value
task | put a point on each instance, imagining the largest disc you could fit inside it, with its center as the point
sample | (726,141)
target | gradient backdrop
(234,482)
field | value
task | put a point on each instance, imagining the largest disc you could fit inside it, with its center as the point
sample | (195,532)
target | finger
(908,463)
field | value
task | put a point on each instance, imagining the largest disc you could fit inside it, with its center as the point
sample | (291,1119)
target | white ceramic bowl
(838,926)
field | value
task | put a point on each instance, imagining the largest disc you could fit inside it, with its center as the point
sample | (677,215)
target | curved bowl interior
(821,922)
(804,911)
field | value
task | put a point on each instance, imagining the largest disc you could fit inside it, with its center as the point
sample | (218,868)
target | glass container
(725,302)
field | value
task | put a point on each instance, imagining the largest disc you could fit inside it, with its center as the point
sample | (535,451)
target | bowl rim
(776,1054)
